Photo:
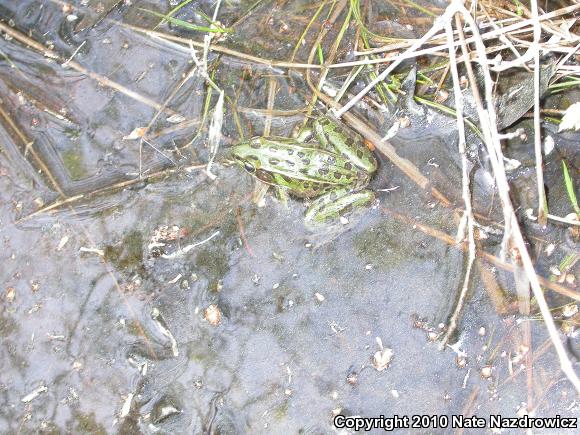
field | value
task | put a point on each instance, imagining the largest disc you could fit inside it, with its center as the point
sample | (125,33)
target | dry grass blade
(535,49)
(215,133)
(513,238)
(513,234)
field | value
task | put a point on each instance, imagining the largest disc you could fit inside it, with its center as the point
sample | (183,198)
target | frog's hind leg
(336,204)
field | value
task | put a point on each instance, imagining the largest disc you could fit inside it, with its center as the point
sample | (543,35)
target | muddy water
(103,322)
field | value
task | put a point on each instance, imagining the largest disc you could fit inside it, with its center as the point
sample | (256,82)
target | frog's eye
(249,167)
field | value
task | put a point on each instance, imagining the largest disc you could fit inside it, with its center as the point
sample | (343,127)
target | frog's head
(247,155)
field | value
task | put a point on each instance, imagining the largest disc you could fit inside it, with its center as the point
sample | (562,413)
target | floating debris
(62,242)
(460,361)
(549,145)
(156,315)
(213,315)
(352,378)
(176,118)
(404,122)
(10,294)
(99,252)
(486,372)
(126,406)
(383,357)
(174,280)
(188,248)
(137,133)
(571,119)
(569,310)
(34,394)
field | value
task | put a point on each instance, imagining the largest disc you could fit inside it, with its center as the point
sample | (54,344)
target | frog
(327,163)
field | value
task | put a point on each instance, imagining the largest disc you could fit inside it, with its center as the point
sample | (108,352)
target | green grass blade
(320,54)
(449,111)
(187,25)
(570,188)
(173,12)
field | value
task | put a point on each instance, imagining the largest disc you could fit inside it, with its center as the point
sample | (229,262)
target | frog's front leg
(336,204)
(304,134)
(281,192)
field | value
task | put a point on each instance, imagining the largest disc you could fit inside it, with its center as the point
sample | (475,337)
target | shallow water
(103,310)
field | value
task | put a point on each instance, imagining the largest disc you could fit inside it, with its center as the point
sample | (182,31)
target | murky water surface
(175,304)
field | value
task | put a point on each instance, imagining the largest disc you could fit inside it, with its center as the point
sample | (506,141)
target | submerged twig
(466,192)
(108,189)
(105,81)
(496,261)
(187,248)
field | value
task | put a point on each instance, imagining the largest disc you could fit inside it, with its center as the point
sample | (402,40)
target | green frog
(333,169)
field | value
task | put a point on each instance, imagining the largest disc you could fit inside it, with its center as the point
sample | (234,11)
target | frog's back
(305,171)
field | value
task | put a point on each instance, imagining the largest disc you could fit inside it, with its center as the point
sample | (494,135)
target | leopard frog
(333,168)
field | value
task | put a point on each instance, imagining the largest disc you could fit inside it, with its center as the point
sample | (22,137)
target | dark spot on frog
(274,162)
(290,151)
(323,171)
(349,141)
(347,166)
(301,154)
(337,175)
(290,163)
(253,157)
(306,162)
(359,153)
(255,145)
